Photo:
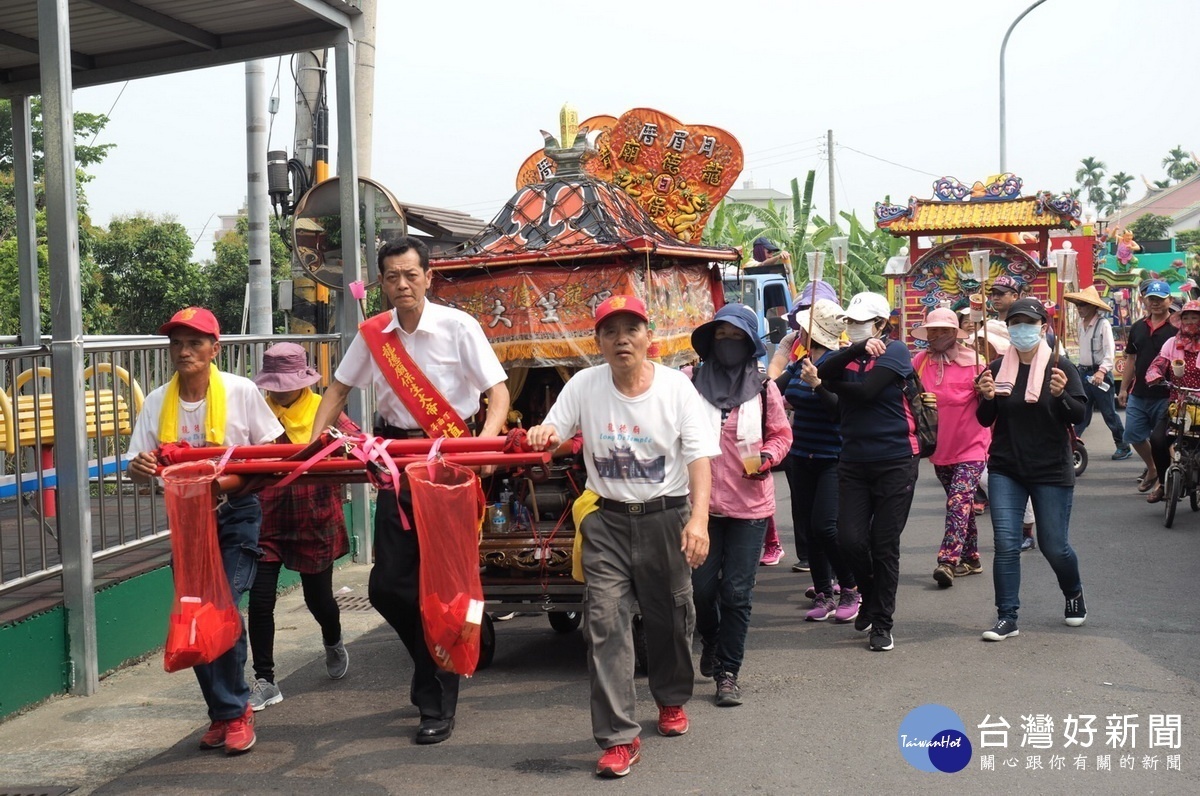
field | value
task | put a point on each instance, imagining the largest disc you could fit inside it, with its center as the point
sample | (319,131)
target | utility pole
(258,206)
(310,303)
(364,86)
(832,200)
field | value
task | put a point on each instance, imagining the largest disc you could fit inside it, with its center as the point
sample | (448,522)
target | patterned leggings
(961,540)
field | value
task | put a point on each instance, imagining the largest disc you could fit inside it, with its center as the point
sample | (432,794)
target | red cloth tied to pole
(449,504)
(204,622)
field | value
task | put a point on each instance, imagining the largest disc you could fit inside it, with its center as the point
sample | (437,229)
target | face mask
(858,332)
(1190,327)
(731,353)
(941,344)
(1025,336)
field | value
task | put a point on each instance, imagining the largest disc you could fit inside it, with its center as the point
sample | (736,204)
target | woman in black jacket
(1030,397)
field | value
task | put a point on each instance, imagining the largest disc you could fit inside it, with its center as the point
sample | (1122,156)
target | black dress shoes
(434,730)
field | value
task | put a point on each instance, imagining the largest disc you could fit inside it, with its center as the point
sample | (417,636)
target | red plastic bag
(204,623)
(449,506)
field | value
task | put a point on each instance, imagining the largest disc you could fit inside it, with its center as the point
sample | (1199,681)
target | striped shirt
(815,434)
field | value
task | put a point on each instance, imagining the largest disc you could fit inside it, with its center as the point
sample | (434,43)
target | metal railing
(119,371)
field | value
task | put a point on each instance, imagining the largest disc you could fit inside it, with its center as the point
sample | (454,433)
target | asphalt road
(822,713)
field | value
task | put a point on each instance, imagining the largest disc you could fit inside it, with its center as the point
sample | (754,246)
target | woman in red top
(303,528)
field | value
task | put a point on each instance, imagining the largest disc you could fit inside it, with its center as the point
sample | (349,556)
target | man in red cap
(646,447)
(201,406)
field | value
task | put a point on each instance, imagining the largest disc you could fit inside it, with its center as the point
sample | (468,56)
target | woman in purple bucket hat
(303,528)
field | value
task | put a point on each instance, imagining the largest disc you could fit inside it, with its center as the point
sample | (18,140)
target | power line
(124,86)
(785,146)
(890,162)
(783,158)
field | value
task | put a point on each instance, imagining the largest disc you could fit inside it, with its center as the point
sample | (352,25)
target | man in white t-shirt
(646,446)
(181,411)
(450,348)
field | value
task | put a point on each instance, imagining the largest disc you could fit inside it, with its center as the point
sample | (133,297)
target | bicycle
(1183,474)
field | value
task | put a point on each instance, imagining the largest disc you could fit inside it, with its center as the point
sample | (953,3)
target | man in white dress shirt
(450,348)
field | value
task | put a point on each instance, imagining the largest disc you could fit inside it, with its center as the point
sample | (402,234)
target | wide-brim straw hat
(997,338)
(941,318)
(827,323)
(1089,295)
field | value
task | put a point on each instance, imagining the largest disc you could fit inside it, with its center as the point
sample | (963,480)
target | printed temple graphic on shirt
(623,464)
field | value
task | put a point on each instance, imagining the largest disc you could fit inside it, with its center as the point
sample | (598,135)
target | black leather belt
(648,507)
(393,432)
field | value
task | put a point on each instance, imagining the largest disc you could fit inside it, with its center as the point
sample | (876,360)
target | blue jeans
(223,682)
(1052,511)
(1102,400)
(723,587)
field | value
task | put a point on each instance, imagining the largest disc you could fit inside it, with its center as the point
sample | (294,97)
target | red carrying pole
(394,447)
(261,466)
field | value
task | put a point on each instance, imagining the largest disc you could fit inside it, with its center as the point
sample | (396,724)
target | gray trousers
(628,559)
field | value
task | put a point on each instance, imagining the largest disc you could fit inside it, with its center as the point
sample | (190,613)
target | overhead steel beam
(182,58)
(14,41)
(167,24)
(347,16)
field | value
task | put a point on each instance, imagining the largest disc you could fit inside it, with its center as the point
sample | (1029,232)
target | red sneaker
(616,760)
(239,736)
(215,737)
(672,720)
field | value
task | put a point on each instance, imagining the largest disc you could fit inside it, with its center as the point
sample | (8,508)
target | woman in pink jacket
(747,411)
(948,369)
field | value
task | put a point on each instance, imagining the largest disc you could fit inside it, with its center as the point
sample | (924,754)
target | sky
(909,89)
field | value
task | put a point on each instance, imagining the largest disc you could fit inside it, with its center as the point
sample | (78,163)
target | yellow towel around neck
(214,410)
(298,418)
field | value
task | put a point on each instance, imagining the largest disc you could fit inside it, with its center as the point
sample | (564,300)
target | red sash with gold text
(424,402)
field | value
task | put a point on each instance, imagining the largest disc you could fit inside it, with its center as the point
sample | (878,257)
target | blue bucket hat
(737,315)
(1157,287)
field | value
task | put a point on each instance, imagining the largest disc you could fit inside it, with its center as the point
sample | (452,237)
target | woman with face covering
(1029,397)
(812,464)
(1185,347)
(747,412)
(948,369)
(878,465)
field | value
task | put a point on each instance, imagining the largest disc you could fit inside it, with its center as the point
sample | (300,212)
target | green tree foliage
(1179,164)
(1150,227)
(737,224)
(148,273)
(96,313)
(87,126)
(1188,240)
(1090,177)
(227,275)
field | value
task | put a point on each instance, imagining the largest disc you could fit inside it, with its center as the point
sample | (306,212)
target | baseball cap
(1157,287)
(766,243)
(197,319)
(615,304)
(1005,282)
(868,307)
(1028,307)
